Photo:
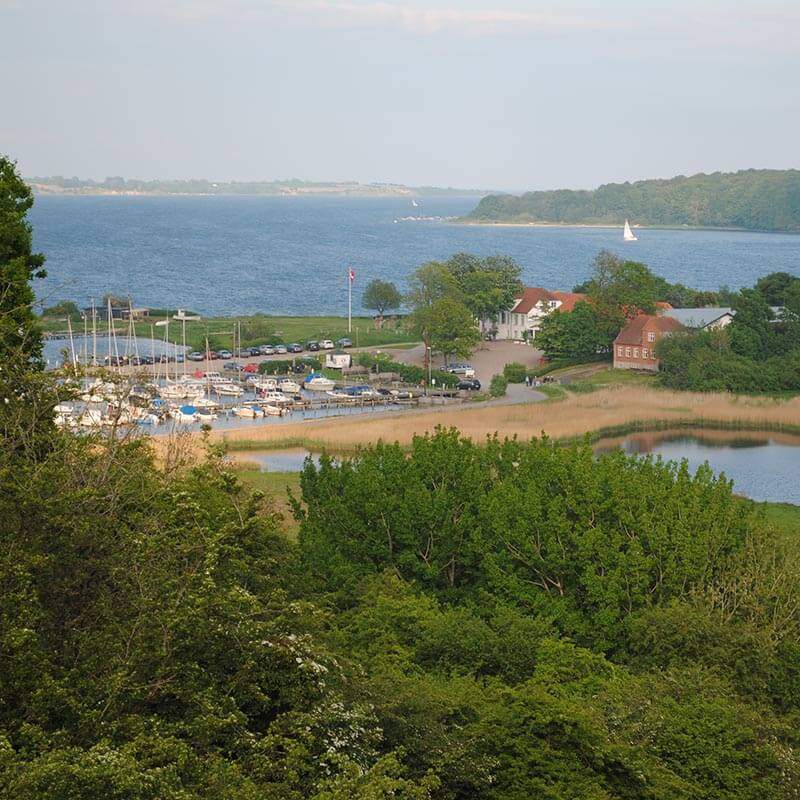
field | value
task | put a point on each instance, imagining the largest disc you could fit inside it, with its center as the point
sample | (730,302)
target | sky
(490,94)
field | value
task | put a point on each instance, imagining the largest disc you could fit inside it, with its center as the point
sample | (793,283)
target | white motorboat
(288,385)
(249,411)
(205,415)
(275,398)
(258,382)
(227,389)
(317,382)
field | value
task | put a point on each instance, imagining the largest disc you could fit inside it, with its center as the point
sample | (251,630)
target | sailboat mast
(71,343)
(94,334)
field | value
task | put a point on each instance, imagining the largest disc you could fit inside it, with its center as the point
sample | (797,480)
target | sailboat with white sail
(627,233)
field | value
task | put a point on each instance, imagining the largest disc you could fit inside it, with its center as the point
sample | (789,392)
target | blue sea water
(289,255)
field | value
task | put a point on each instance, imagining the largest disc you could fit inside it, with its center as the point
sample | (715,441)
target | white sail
(627,234)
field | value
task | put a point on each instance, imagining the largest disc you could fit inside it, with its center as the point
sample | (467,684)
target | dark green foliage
(498,385)
(755,199)
(285,366)
(580,334)
(515,372)
(774,288)
(66,308)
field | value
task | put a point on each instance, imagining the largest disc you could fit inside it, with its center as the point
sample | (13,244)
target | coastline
(610,226)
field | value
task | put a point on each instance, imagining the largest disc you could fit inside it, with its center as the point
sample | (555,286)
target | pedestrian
(528,381)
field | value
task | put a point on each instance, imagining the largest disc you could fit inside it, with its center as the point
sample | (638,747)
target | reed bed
(613,411)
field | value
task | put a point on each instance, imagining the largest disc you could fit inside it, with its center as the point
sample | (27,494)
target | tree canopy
(381,296)
(755,199)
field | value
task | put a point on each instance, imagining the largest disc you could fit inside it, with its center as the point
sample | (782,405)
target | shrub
(514,372)
(498,386)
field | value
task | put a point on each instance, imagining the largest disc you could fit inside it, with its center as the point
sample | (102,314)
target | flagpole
(349,300)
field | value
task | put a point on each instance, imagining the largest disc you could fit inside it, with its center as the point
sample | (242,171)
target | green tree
(20,339)
(580,333)
(66,308)
(489,285)
(774,287)
(381,296)
(439,315)
(26,395)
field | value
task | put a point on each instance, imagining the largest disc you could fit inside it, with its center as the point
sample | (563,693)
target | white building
(523,320)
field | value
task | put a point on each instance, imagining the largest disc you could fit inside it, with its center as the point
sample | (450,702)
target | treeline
(758,352)
(753,199)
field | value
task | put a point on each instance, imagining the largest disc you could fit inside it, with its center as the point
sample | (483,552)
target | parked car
(326,344)
(232,366)
(179,359)
(344,342)
(281,349)
(224,354)
(254,351)
(461,369)
(294,348)
(266,350)
(213,355)
(148,360)
(195,355)
(312,346)
(250,368)
(470,385)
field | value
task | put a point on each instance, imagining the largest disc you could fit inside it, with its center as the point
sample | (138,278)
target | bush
(498,386)
(514,372)
(284,366)
(409,373)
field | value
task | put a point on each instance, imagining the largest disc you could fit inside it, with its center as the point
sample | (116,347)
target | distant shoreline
(611,226)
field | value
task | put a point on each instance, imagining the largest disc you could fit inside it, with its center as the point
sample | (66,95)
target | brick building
(634,347)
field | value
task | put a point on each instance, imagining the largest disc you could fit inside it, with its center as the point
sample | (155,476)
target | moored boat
(317,382)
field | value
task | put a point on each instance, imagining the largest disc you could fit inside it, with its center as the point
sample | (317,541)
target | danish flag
(351,273)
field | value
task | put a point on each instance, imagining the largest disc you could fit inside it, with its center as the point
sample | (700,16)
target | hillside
(753,199)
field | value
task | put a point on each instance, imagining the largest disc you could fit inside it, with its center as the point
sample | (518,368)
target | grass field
(255,329)
(275,486)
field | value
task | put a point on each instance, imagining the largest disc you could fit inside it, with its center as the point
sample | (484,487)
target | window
(620,351)
(644,353)
(651,336)
(652,354)
(636,352)
(628,352)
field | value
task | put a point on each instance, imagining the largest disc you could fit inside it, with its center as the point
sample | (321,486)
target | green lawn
(275,485)
(786,518)
(606,377)
(256,329)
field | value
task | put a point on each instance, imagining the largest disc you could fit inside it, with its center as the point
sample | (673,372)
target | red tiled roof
(568,299)
(632,332)
(530,296)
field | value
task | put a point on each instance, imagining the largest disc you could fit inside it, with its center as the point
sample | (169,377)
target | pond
(764,467)
(761,466)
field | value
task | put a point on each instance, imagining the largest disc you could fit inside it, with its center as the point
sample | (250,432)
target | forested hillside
(754,199)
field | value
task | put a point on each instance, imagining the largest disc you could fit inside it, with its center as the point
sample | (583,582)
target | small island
(765,200)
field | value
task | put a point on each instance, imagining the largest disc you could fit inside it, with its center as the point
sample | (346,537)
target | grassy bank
(255,329)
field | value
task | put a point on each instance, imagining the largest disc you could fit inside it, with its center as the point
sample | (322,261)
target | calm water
(236,255)
(761,467)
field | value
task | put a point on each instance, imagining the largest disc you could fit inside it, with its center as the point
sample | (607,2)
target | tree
(381,296)
(488,285)
(26,395)
(622,289)
(20,340)
(774,287)
(439,314)
(66,308)
(580,333)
